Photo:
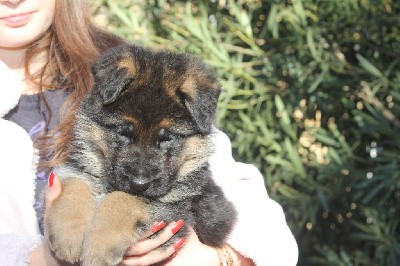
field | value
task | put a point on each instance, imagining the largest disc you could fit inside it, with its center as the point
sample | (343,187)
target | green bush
(311,93)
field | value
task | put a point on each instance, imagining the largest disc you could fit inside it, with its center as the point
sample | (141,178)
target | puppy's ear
(200,98)
(112,73)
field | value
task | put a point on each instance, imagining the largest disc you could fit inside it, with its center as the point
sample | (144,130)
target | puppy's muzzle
(139,171)
(139,184)
(135,177)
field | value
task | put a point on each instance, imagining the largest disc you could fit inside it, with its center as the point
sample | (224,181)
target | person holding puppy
(50,45)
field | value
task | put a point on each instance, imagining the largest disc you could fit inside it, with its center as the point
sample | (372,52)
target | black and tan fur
(139,155)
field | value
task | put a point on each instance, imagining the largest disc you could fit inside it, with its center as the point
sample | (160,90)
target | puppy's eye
(166,138)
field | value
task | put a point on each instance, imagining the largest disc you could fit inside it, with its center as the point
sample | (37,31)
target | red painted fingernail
(178,225)
(173,255)
(178,244)
(51,178)
(157,226)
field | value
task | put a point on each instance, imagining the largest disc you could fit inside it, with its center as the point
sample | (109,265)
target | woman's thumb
(54,189)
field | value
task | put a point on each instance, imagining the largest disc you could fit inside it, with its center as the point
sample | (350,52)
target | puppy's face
(147,119)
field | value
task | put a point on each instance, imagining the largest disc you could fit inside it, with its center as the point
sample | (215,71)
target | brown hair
(70,45)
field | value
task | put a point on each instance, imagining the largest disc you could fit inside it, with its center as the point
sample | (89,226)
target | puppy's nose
(140,185)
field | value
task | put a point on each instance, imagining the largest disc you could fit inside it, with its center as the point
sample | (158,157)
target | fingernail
(173,255)
(51,178)
(178,225)
(157,226)
(178,244)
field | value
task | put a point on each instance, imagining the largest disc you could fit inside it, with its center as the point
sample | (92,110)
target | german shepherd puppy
(139,155)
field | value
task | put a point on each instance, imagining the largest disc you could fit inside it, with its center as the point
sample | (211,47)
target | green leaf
(284,117)
(299,10)
(295,158)
(323,137)
(368,66)
(313,49)
(272,22)
(322,199)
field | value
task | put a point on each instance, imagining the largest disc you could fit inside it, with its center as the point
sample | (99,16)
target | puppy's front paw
(67,219)
(114,229)
(106,247)
(66,240)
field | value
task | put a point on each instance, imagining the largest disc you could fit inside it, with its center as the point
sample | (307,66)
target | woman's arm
(41,256)
(195,253)
(238,259)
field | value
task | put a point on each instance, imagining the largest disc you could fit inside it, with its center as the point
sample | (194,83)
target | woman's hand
(145,252)
(194,253)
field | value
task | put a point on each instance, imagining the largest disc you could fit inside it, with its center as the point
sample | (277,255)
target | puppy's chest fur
(145,130)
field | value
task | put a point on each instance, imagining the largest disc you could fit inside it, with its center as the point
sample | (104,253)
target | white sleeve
(17,181)
(19,230)
(15,249)
(261,232)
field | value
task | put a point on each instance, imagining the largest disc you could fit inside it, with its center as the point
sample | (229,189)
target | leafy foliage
(311,94)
